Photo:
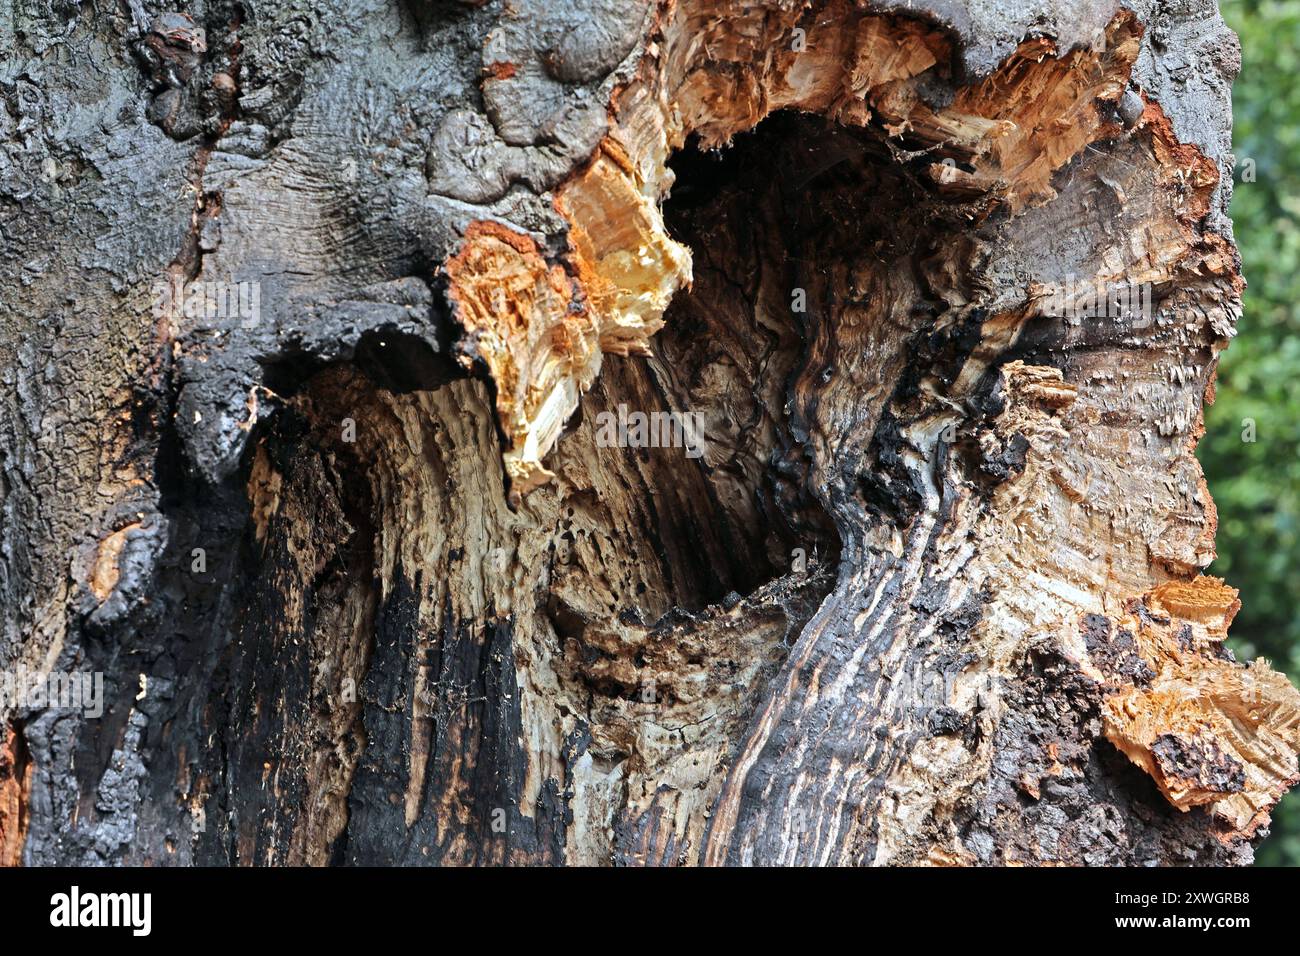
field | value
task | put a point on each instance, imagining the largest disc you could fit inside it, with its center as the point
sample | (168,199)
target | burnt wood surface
(366,583)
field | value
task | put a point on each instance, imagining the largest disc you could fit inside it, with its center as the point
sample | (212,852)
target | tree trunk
(692,433)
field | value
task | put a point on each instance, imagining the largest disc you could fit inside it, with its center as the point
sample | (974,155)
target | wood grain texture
(926,587)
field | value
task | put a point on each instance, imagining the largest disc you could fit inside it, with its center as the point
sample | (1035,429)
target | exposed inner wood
(640,599)
(646,717)
(927,588)
(718,70)
(1209,731)
(15,783)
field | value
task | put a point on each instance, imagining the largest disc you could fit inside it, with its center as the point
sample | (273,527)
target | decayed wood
(926,590)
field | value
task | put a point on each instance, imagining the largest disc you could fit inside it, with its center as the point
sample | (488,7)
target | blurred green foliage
(1256,484)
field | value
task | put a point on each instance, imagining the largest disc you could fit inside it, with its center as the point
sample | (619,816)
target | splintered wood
(919,304)
(1210,731)
(998,516)
(523,319)
(717,70)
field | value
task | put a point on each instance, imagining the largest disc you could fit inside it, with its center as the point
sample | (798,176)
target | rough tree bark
(932,592)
